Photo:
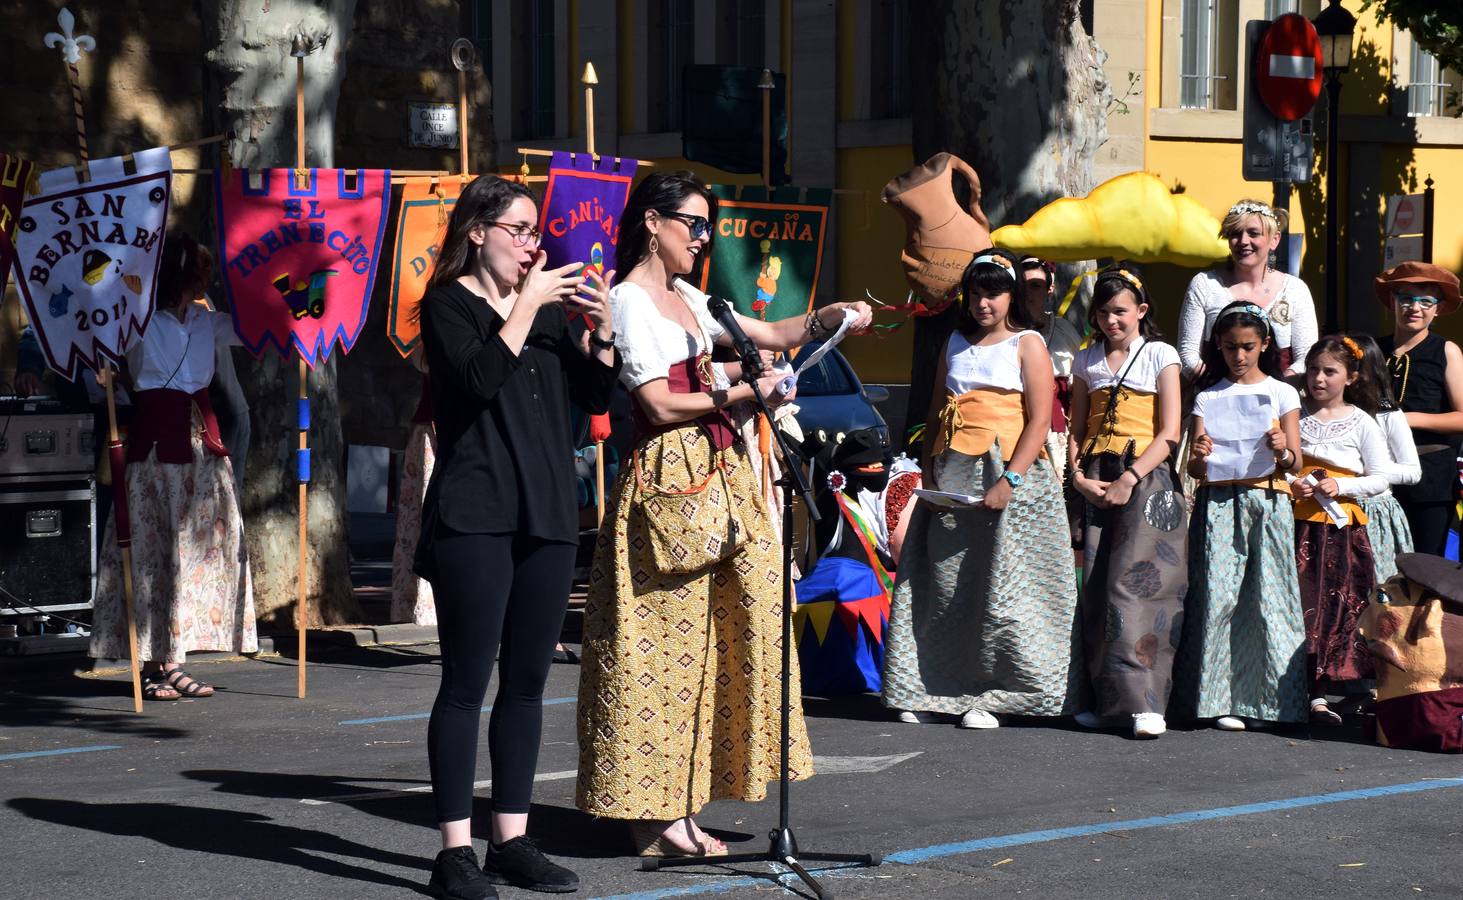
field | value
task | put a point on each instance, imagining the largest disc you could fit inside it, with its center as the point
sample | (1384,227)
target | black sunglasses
(699,226)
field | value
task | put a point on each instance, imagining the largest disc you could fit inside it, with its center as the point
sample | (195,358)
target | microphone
(721,311)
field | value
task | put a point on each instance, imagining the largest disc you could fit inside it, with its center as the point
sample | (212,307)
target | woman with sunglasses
(500,517)
(679,688)
(1427,380)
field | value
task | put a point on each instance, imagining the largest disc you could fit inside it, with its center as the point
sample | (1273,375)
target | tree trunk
(251,85)
(1016,89)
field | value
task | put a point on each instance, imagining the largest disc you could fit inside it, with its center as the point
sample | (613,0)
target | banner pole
(462,121)
(71,46)
(764,428)
(589,80)
(300,49)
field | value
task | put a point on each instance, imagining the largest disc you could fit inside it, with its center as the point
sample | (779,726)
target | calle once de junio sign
(1288,67)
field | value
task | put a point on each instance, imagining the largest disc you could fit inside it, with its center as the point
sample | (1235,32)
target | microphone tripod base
(783,849)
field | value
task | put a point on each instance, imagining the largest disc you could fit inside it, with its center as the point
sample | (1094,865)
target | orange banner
(421,221)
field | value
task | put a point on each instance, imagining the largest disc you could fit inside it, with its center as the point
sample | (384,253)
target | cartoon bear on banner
(88,257)
(299,262)
(1414,629)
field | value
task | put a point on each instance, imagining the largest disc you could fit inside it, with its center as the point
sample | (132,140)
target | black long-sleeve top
(505,459)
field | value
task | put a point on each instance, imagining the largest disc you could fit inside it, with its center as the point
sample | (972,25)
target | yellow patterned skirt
(679,689)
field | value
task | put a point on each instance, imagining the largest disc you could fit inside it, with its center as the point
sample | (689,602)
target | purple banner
(582,206)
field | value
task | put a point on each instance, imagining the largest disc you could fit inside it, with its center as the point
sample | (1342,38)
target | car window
(827,377)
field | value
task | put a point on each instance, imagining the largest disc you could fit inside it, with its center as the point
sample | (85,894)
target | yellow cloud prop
(1132,216)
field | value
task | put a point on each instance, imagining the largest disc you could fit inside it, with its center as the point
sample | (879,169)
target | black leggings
(502,597)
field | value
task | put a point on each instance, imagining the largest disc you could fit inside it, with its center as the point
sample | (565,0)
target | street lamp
(1335,27)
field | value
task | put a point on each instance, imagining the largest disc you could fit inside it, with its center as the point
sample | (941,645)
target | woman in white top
(981,621)
(1253,231)
(1386,521)
(680,682)
(190,565)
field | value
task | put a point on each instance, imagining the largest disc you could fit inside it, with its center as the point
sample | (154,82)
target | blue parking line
(936,851)
(62,752)
(426,715)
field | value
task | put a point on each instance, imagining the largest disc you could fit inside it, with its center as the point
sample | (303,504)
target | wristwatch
(602,343)
(1012,478)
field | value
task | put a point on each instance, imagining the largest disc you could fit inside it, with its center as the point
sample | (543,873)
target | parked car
(831,397)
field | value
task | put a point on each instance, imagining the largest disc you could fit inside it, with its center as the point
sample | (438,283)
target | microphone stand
(784,846)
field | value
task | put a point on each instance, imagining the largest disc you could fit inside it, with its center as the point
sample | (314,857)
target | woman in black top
(499,520)
(1427,378)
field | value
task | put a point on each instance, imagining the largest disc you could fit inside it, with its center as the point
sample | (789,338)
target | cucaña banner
(421,222)
(298,263)
(582,204)
(17,178)
(768,251)
(88,254)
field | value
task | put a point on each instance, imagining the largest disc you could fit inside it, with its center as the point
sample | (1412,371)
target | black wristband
(602,343)
(1136,477)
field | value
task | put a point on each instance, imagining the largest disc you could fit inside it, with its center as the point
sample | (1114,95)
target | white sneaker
(909,717)
(978,718)
(1148,725)
(1229,723)
(1088,719)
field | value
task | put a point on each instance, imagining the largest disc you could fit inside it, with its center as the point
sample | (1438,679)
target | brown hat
(1443,577)
(1420,273)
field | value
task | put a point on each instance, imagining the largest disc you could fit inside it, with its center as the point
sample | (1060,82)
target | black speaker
(47,546)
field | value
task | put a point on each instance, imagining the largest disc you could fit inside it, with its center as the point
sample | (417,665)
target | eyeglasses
(1421,301)
(699,226)
(523,235)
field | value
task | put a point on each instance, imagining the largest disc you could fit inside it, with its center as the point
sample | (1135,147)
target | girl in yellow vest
(1240,662)
(1345,458)
(1126,420)
(982,614)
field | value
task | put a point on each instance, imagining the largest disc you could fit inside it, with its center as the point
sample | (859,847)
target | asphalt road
(254,793)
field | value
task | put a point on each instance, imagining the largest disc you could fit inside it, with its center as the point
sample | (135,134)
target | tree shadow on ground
(246,835)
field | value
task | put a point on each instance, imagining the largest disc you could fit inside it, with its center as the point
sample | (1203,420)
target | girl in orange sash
(1126,414)
(981,620)
(1240,661)
(1345,458)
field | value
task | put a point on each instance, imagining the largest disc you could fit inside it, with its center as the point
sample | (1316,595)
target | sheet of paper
(946,498)
(1237,425)
(1339,517)
(791,381)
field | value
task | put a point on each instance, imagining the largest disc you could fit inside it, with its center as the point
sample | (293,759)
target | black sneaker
(456,876)
(521,864)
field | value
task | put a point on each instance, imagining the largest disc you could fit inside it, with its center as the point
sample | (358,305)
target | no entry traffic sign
(1288,67)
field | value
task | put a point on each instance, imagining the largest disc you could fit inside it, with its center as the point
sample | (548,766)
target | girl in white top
(982,613)
(1126,415)
(1386,522)
(190,564)
(1253,231)
(1243,632)
(1345,459)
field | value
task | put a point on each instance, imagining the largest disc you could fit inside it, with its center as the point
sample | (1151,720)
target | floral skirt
(190,565)
(984,606)
(1337,578)
(680,678)
(1388,531)
(411,597)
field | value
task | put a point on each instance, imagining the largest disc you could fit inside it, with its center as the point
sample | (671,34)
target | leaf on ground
(1002,862)
(1351,865)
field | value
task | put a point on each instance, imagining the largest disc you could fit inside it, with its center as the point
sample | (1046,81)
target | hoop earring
(654,244)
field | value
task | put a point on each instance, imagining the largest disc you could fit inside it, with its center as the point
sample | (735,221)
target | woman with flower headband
(981,620)
(1253,231)
(1241,661)
(1345,458)
(1126,419)
(1427,379)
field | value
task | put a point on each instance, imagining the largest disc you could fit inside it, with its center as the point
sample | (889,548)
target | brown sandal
(194,687)
(650,839)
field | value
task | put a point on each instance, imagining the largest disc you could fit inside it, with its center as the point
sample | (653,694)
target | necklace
(1400,367)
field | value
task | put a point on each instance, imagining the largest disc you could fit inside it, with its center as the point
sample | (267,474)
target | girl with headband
(1344,458)
(1240,662)
(1253,231)
(1126,421)
(982,614)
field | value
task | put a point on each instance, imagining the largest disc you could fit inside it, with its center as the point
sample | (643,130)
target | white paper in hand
(947,498)
(1237,425)
(791,381)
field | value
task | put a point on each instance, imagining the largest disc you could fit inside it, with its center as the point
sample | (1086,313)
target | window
(1274,9)
(672,30)
(889,60)
(479,16)
(741,33)
(534,85)
(1208,53)
(1431,89)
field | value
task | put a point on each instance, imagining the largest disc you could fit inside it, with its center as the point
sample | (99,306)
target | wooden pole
(462,121)
(589,80)
(302,462)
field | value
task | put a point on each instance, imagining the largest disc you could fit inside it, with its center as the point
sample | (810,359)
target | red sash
(164,419)
(683,379)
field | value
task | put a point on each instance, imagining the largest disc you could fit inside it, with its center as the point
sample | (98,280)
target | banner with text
(299,263)
(582,205)
(421,222)
(17,178)
(87,257)
(768,251)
